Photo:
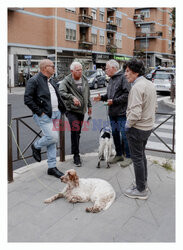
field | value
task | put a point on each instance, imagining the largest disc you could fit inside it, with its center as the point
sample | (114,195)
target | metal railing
(169,149)
(19,154)
(19,120)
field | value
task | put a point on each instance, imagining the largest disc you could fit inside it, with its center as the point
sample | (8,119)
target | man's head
(47,67)
(111,67)
(133,69)
(76,70)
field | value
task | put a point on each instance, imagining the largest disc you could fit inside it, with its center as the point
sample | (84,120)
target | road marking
(162,135)
(164,126)
(158,145)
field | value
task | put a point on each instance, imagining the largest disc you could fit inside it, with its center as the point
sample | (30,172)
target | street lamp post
(56,42)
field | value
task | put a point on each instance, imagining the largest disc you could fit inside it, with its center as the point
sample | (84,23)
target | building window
(119,43)
(101,16)
(118,21)
(94,14)
(170,31)
(169,45)
(144,44)
(146,13)
(71,9)
(94,38)
(101,39)
(145,28)
(70,34)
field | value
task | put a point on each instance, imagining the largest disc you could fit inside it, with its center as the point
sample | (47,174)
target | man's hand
(76,102)
(127,126)
(110,102)
(97,98)
(89,111)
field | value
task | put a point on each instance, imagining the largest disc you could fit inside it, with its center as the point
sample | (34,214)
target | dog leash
(44,185)
(107,116)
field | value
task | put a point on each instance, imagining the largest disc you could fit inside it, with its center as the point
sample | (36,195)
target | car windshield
(89,73)
(162,76)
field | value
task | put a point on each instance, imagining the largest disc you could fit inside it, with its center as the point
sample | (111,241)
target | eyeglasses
(53,66)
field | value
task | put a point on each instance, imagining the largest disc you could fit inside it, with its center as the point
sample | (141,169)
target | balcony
(138,18)
(111,27)
(111,48)
(111,9)
(85,45)
(142,35)
(85,20)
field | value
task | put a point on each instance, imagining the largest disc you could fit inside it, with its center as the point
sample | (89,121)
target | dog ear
(73,177)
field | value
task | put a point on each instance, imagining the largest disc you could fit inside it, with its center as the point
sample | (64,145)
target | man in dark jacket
(42,97)
(75,92)
(117,98)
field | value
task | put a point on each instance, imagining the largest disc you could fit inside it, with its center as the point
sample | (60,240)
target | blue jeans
(50,136)
(118,127)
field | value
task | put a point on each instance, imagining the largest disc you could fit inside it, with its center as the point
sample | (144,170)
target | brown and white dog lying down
(98,191)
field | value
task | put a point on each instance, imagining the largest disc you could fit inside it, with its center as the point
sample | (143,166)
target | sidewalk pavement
(127,220)
(168,101)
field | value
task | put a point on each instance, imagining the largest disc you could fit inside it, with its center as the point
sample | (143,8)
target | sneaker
(116,159)
(36,153)
(77,161)
(134,185)
(134,193)
(126,162)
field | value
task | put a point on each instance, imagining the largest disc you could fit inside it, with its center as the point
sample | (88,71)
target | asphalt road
(89,136)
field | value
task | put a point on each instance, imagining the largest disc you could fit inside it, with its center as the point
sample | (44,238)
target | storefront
(121,60)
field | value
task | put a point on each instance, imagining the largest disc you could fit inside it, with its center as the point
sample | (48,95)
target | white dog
(105,146)
(99,191)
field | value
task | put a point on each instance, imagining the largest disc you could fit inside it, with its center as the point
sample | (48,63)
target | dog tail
(111,199)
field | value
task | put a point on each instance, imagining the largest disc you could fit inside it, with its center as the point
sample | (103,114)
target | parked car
(96,78)
(162,81)
(159,69)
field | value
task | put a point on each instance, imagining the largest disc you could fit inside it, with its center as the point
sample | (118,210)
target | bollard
(62,138)
(10,164)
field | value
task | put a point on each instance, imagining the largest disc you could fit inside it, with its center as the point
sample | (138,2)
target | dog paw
(88,209)
(47,201)
(93,209)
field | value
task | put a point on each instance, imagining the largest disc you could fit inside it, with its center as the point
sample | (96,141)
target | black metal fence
(61,148)
(16,137)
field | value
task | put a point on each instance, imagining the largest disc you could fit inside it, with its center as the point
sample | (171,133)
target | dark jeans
(118,127)
(76,122)
(137,140)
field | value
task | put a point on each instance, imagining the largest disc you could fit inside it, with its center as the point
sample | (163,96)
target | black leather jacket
(117,90)
(37,95)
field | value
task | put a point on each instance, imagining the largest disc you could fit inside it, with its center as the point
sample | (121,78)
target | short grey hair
(113,64)
(74,64)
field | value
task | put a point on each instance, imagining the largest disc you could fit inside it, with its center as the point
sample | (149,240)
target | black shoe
(77,161)
(55,172)
(36,153)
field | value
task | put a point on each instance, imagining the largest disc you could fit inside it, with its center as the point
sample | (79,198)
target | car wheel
(95,86)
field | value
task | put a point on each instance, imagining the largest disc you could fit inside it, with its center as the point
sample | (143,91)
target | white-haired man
(117,98)
(42,97)
(75,92)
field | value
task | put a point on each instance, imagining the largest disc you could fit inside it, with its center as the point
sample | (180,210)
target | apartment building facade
(154,36)
(90,35)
